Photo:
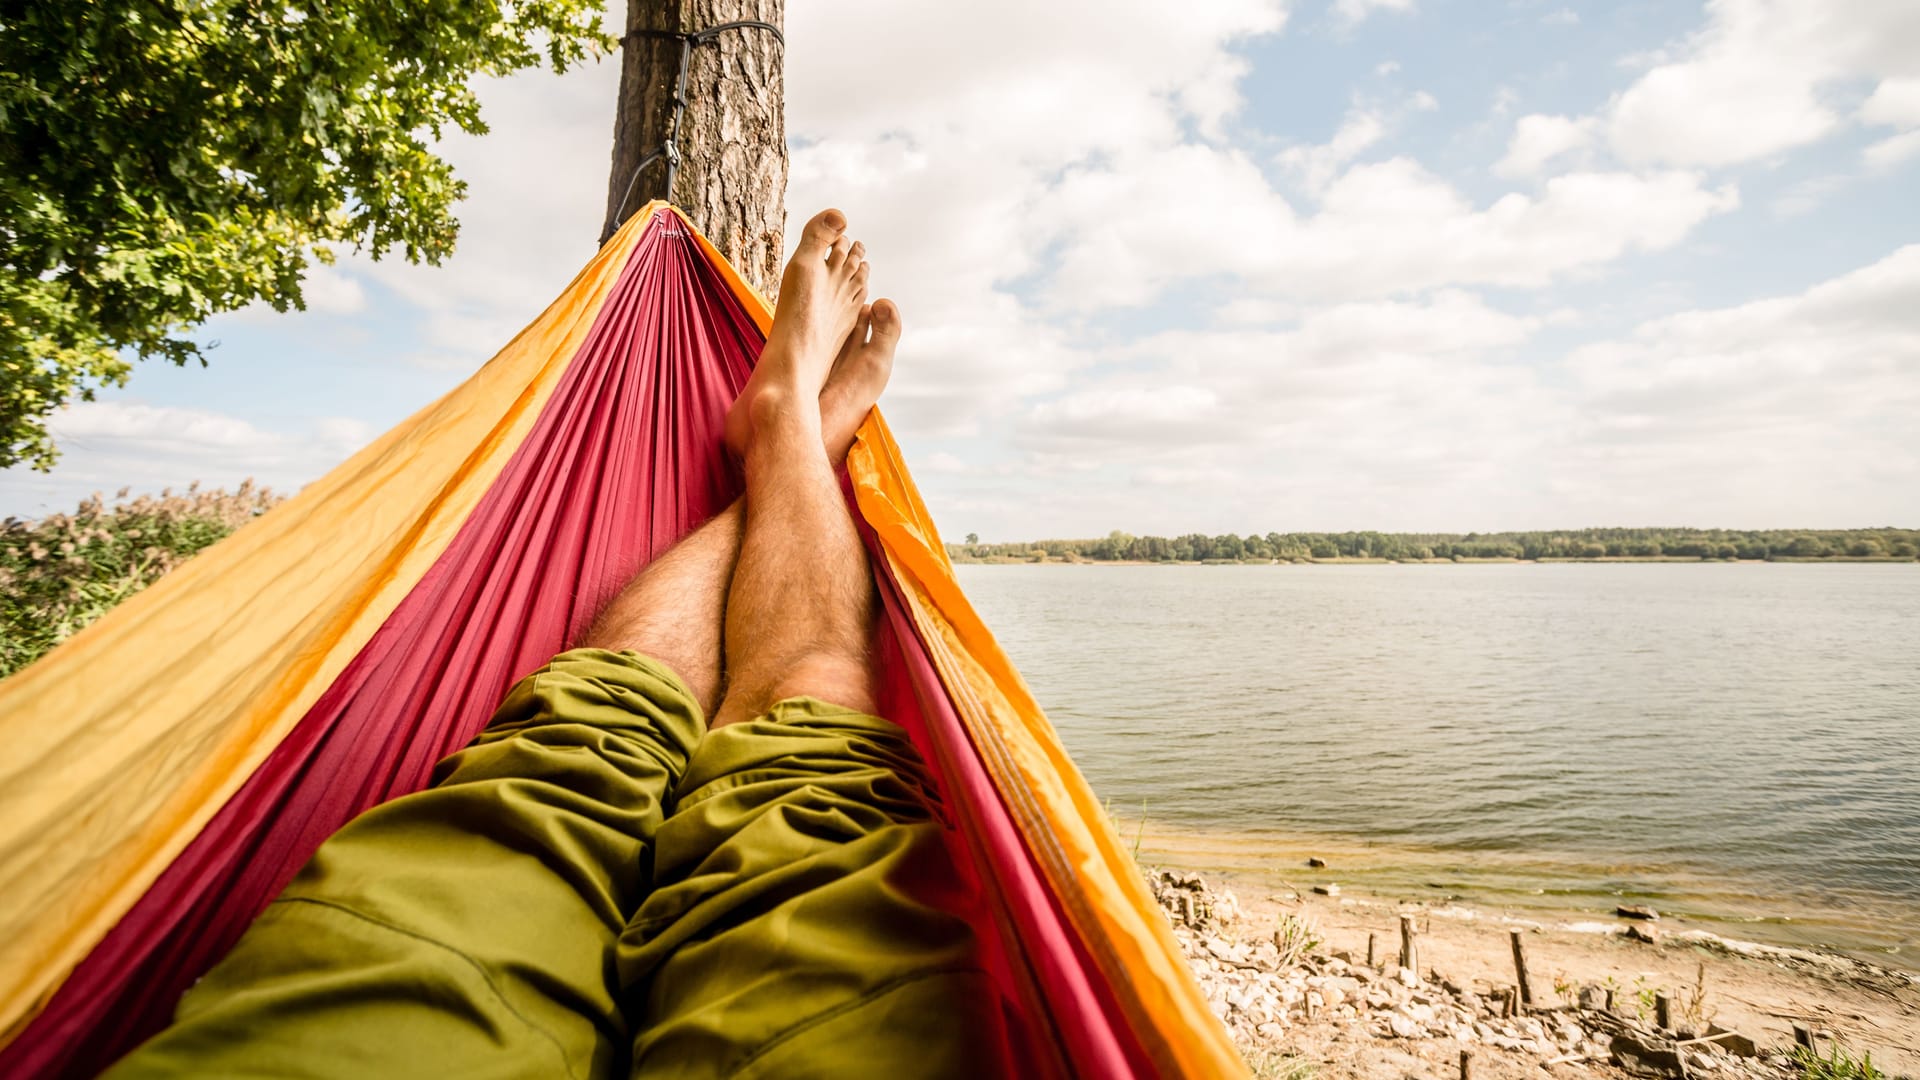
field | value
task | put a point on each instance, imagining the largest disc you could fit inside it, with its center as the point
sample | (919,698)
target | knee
(836,678)
(840,680)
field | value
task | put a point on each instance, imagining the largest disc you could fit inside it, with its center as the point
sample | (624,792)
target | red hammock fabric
(624,460)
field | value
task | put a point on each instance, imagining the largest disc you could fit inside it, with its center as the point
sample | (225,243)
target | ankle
(782,419)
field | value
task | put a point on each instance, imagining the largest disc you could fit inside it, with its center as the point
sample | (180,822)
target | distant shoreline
(1010,560)
(1655,544)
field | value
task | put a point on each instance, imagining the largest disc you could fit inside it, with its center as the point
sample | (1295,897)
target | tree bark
(732,177)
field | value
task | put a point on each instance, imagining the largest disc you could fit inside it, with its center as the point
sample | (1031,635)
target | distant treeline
(1558,544)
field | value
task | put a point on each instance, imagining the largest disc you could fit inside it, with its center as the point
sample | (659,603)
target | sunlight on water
(1736,743)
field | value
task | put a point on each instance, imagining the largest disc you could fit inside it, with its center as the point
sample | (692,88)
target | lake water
(1736,743)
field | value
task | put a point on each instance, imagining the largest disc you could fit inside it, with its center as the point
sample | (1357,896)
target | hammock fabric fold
(170,767)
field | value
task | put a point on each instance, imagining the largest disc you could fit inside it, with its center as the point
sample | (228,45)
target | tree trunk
(732,176)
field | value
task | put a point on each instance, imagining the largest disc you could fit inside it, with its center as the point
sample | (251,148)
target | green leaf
(164,163)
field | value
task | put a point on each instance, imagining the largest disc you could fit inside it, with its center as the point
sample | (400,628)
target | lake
(1737,743)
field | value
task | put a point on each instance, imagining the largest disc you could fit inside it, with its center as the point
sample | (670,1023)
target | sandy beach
(1377,1021)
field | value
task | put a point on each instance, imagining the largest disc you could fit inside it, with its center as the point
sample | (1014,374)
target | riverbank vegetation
(1573,544)
(63,571)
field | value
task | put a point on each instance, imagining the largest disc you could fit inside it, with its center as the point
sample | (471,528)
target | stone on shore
(1277,991)
(1645,1055)
(1732,1041)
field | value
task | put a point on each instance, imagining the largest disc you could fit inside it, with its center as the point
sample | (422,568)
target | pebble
(1260,1000)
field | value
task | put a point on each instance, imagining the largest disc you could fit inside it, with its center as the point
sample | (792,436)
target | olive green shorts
(598,887)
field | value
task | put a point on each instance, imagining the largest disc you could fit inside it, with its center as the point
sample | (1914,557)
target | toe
(820,232)
(857,255)
(886,324)
(837,254)
(857,337)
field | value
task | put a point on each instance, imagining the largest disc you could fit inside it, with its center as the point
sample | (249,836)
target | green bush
(64,571)
(1836,1065)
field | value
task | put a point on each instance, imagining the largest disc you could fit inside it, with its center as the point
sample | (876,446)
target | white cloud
(1787,411)
(1439,414)
(942,175)
(1860,321)
(1539,139)
(536,195)
(1255,310)
(161,429)
(1891,152)
(329,290)
(1317,165)
(1805,196)
(1132,415)
(1449,321)
(1561,17)
(1381,229)
(1378,411)
(1394,226)
(1027,82)
(1182,390)
(1894,103)
(1354,12)
(1759,79)
(108,445)
(1040,201)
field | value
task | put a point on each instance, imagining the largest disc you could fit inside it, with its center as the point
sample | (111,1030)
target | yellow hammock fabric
(155,761)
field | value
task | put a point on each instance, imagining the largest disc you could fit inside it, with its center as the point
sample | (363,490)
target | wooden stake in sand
(1370,940)
(1662,1010)
(1520,971)
(1409,957)
(1466,1065)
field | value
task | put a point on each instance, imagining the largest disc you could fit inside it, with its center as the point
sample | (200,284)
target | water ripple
(1752,735)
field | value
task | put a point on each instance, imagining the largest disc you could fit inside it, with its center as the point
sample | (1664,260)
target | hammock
(168,769)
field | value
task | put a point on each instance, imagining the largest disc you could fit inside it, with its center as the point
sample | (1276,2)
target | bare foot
(821,293)
(860,372)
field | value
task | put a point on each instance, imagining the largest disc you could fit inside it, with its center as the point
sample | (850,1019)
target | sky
(1238,265)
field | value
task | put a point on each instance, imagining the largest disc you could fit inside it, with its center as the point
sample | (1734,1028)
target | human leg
(800,608)
(795,927)
(467,927)
(673,610)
